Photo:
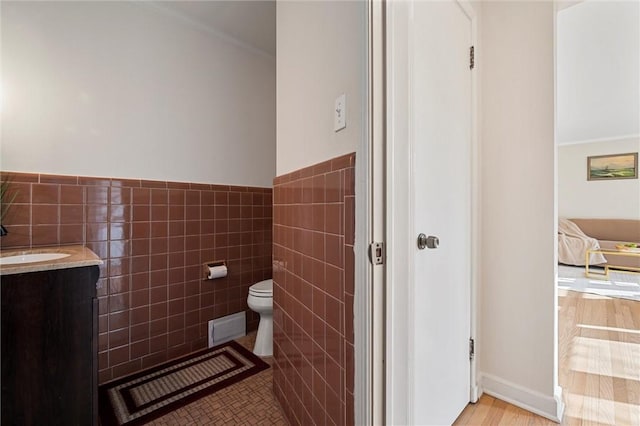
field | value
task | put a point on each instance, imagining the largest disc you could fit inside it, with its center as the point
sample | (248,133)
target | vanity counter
(78,256)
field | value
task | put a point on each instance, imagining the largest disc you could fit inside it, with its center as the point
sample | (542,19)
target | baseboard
(550,407)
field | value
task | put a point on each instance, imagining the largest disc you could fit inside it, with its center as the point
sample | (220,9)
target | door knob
(428,242)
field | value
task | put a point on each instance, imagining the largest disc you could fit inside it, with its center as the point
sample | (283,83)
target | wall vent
(227,328)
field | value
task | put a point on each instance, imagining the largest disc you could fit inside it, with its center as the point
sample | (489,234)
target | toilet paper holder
(213,264)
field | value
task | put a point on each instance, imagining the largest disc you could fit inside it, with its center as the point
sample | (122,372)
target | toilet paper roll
(217,272)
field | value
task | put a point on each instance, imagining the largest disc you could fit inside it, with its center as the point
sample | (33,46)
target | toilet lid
(263,288)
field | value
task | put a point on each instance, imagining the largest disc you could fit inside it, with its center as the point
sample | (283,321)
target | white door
(441,137)
(430,105)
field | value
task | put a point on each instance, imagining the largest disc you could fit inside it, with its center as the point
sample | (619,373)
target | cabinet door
(48,350)
(94,358)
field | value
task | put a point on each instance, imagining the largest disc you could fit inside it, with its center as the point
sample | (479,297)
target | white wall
(320,54)
(598,48)
(121,89)
(516,338)
(580,198)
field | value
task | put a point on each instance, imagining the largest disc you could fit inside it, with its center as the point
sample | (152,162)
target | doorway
(597,114)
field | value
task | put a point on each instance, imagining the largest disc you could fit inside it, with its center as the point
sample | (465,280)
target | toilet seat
(262,289)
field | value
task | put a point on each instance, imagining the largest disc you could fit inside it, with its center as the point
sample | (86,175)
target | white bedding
(573,245)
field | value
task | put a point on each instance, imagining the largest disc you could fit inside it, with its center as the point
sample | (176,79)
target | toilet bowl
(260,300)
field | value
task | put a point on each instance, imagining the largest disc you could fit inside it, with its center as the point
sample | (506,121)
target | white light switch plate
(340,113)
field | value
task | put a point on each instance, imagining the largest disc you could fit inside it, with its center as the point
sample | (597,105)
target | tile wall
(154,237)
(313,272)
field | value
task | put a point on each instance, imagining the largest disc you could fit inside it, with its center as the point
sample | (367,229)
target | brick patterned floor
(248,402)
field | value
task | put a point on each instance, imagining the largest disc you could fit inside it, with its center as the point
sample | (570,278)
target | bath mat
(143,396)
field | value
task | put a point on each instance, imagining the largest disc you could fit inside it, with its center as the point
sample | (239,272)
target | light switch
(340,113)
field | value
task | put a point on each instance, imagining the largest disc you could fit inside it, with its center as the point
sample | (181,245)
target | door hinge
(376,253)
(472,349)
(472,58)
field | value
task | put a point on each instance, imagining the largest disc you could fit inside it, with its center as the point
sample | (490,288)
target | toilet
(260,300)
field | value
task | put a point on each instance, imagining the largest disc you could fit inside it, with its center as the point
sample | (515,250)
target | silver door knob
(428,242)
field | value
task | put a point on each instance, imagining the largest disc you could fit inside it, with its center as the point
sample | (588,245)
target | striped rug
(141,397)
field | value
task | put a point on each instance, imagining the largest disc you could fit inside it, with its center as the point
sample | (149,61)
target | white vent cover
(227,328)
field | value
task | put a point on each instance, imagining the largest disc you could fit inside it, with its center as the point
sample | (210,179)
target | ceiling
(252,23)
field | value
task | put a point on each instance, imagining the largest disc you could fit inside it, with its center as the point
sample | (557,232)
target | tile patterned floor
(249,402)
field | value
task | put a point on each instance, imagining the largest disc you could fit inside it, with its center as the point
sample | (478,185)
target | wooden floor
(599,350)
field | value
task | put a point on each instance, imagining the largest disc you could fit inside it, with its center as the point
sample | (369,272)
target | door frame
(369,314)
(368,310)
(398,327)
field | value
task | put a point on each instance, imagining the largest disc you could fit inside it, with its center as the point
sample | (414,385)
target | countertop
(79,256)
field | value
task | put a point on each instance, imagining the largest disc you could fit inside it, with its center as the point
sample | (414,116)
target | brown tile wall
(313,266)
(154,238)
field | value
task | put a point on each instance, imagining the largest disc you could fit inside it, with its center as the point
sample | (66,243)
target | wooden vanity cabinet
(50,347)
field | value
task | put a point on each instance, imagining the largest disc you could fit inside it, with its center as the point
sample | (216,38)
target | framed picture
(609,167)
